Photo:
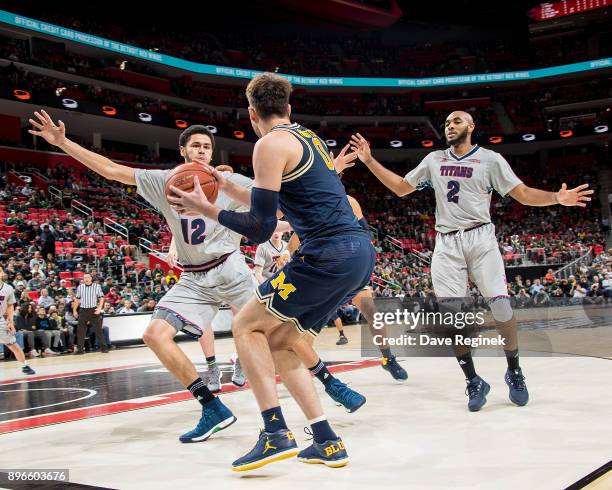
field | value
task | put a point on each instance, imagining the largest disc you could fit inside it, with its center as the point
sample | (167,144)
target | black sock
(273,419)
(211,361)
(467,364)
(512,357)
(386,352)
(321,372)
(200,392)
(322,431)
(341,333)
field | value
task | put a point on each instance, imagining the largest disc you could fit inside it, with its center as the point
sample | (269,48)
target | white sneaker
(238,377)
(49,352)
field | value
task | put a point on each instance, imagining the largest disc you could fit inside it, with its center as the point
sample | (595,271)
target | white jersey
(266,256)
(198,239)
(7,298)
(463,185)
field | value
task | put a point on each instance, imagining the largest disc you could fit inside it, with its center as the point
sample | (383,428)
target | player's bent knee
(158,331)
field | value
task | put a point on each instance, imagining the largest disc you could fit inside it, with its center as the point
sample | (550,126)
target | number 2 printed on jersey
(195,235)
(453,190)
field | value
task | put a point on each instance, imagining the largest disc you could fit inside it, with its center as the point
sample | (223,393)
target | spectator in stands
(24,322)
(126,308)
(66,331)
(541,297)
(578,295)
(37,259)
(36,283)
(108,309)
(607,286)
(45,300)
(112,297)
(68,264)
(48,242)
(594,296)
(147,306)
(522,299)
(43,326)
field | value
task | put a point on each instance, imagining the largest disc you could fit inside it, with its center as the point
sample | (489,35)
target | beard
(459,139)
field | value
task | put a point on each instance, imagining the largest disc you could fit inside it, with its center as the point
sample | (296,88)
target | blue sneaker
(390,364)
(330,453)
(477,389)
(215,417)
(518,389)
(342,394)
(27,370)
(271,447)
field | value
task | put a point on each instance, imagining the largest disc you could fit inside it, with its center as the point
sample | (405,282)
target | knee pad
(177,322)
(501,309)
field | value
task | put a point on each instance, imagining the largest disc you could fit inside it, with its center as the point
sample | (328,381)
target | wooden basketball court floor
(113,420)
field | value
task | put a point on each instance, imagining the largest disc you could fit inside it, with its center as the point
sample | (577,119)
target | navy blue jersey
(312,197)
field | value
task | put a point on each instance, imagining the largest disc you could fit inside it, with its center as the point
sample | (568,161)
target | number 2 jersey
(198,239)
(463,185)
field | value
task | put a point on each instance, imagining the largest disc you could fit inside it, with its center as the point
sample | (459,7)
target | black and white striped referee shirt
(88,295)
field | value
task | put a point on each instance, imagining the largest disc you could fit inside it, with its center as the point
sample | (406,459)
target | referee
(90,298)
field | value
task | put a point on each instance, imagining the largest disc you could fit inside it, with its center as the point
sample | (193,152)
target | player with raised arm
(463,177)
(214,270)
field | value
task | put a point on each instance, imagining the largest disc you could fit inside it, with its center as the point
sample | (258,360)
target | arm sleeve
(260,258)
(259,222)
(419,176)
(150,185)
(503,178)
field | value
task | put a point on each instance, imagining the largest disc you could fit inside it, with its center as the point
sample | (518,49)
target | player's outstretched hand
(221,180)
(344,160)
(361,146)
(192,203)
(574,197)
(282,260)
(55,135)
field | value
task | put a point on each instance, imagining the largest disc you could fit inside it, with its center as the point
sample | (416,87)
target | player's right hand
(343,160)
(361,146)
(221,180)
(55,135)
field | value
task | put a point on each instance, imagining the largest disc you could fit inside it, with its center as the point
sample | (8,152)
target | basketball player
(463,177)
(7,325)
(363,300)
(214,270)
(268,256)
(293,171)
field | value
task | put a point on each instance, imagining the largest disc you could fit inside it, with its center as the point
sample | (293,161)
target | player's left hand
(192,203)
(282,260)
(11,328)
(344,160)
(574,197)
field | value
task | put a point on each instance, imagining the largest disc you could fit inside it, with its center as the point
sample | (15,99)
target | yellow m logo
(284,290)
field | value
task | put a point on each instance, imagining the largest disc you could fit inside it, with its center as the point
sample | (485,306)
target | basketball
(182,176)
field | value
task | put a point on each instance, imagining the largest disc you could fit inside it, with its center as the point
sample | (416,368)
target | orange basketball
(182,176)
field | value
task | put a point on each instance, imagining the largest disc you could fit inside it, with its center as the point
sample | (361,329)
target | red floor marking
(124,406)
(75,373)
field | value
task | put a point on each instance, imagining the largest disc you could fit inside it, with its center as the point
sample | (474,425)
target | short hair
(195,129)
(268,94)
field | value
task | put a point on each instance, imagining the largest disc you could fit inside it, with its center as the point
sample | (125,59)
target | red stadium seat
(78,274)
(34,295)
(65,275)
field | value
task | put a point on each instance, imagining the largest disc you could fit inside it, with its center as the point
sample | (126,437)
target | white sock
(318,419)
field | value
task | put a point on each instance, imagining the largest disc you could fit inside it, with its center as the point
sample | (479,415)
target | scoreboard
(554,10)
